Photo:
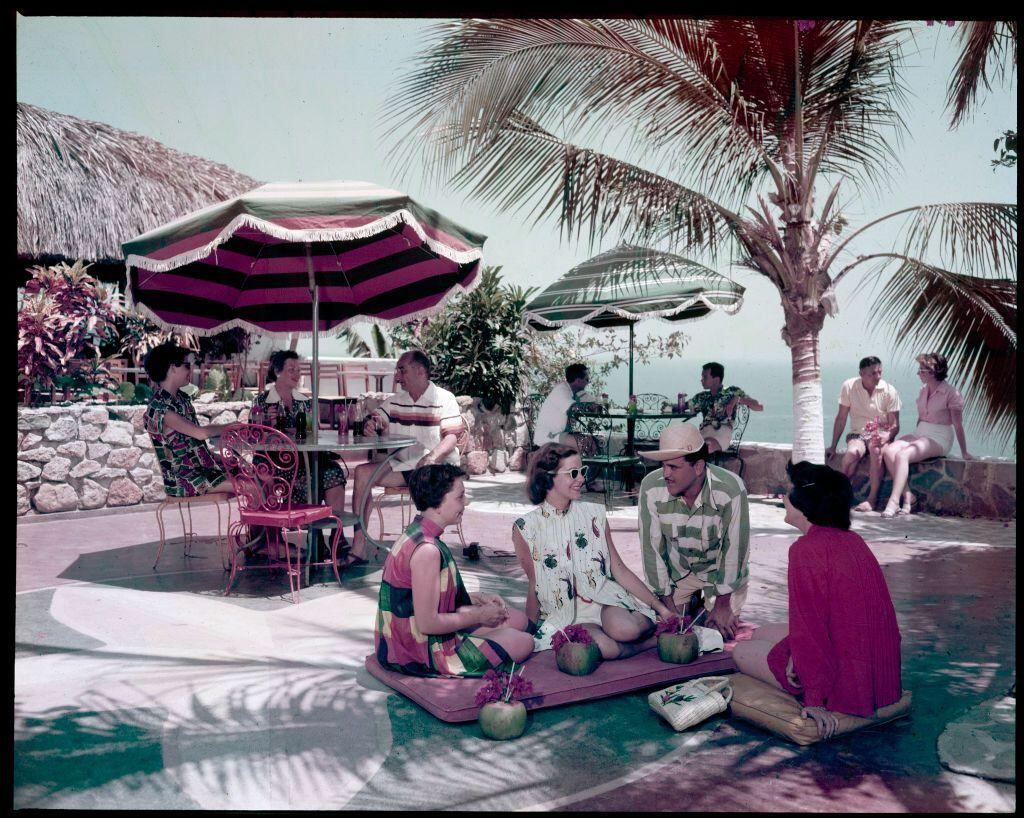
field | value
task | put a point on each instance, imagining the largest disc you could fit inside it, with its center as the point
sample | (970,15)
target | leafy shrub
(64,314)
(476,342)
(217,381)
(143,393)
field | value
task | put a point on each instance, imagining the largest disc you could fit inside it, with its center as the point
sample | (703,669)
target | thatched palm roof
(85,187)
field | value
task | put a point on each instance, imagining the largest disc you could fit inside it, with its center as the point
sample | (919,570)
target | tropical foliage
(69,324)
(731,128)
(476,342)
(359,348)
(63,314)
(549,353)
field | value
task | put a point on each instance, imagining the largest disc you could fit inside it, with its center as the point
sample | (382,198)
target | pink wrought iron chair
(262,464)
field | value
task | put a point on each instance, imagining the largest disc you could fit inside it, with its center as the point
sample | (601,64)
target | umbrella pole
(314,291)
(631,359)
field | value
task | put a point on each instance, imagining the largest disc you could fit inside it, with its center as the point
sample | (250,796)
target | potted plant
(502,713)
(576,653)
(675,644)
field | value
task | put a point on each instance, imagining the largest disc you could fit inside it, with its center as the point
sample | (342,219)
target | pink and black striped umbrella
(272,259)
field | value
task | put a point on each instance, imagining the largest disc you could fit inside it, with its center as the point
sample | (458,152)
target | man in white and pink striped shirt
(419,409)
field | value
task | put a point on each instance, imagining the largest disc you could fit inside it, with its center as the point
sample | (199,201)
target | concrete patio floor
(143,689)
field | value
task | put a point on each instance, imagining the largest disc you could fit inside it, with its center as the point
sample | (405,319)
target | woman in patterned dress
(575,574)
(188,466)
(283,398)
(427,623)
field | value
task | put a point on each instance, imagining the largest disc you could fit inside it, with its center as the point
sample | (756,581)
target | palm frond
(983,40)
(357,347)
(970,320)
(851,94)
(479,74)
(528,170)
(979,237)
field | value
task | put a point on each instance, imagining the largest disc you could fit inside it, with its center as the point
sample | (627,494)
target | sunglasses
(186,365)
(574,473)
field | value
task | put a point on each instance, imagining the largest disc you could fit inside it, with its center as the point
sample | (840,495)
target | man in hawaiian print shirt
(718,406)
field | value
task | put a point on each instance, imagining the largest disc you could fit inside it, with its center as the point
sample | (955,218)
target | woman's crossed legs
(621,633)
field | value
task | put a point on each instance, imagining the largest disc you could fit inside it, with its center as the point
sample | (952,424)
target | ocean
(771,383)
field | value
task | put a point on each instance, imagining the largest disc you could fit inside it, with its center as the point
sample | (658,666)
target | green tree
(549,353)
(477,343)
(738,123)
(359,348)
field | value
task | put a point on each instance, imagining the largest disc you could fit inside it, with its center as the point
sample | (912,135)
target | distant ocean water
(771,383)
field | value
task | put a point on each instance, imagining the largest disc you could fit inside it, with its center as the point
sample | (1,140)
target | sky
(301,100)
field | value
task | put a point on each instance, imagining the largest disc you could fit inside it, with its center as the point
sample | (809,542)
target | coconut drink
(676,643)
(576,653)
(502,715)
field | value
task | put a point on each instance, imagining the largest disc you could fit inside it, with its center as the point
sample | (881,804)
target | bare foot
(865,506)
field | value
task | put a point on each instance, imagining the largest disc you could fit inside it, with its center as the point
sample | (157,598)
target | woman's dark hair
(278,360)
(936,363)
(160,359)
(429,484)
(541,468)
(823,494)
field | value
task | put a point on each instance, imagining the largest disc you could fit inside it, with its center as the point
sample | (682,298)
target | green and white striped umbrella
(629,284)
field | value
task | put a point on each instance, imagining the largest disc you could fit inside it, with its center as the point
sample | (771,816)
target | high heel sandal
(891,510)
(908,503)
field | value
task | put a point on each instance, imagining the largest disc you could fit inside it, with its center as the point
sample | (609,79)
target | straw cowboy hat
(676,440)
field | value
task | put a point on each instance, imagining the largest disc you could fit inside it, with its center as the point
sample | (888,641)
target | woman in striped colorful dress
(427,623)
(575,575)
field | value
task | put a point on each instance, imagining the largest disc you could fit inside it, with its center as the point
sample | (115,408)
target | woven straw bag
(689,703)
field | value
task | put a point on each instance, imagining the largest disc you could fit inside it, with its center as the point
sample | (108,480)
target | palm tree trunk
(808,419)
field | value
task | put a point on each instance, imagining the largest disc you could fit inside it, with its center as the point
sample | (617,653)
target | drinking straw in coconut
(694,622)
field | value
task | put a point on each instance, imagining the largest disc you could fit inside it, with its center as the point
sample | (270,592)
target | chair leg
(160,522)
(236,554)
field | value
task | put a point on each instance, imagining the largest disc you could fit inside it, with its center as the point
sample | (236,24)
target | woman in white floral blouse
(575,574)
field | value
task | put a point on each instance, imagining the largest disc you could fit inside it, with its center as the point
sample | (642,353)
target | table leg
(361,505)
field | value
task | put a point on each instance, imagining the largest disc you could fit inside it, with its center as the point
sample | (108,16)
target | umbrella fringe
(285,234)
(662,315)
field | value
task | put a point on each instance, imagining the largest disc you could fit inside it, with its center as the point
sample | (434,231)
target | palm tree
(358,348)
(728,108)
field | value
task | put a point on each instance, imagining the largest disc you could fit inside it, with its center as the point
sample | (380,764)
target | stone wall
(87,457)
(983,487)
(91,456)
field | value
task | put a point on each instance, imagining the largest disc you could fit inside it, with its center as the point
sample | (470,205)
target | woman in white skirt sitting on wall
(939,417)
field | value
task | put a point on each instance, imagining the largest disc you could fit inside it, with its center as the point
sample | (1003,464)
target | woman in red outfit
(841,650)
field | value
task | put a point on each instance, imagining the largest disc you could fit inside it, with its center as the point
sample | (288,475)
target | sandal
(908,503)
(865,506)
(891,510)
(350,560)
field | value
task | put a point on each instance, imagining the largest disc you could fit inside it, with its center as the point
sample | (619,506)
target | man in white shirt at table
(419,409)
(553,414)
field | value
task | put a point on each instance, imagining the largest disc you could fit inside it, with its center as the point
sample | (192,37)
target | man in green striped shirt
(695,529)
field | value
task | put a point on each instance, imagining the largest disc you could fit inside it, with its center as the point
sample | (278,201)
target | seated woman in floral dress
(282,398)
(575,575)
(188,466)
(840,651)
(427,623)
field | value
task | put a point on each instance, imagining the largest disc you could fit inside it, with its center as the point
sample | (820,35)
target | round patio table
(631,418)
(331,440)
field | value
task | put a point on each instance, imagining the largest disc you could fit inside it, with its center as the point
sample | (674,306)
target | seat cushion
(297,515)
(452,700)
(775,710)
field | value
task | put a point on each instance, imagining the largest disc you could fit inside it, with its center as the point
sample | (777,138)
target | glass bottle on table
(300,425)
(256,415)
